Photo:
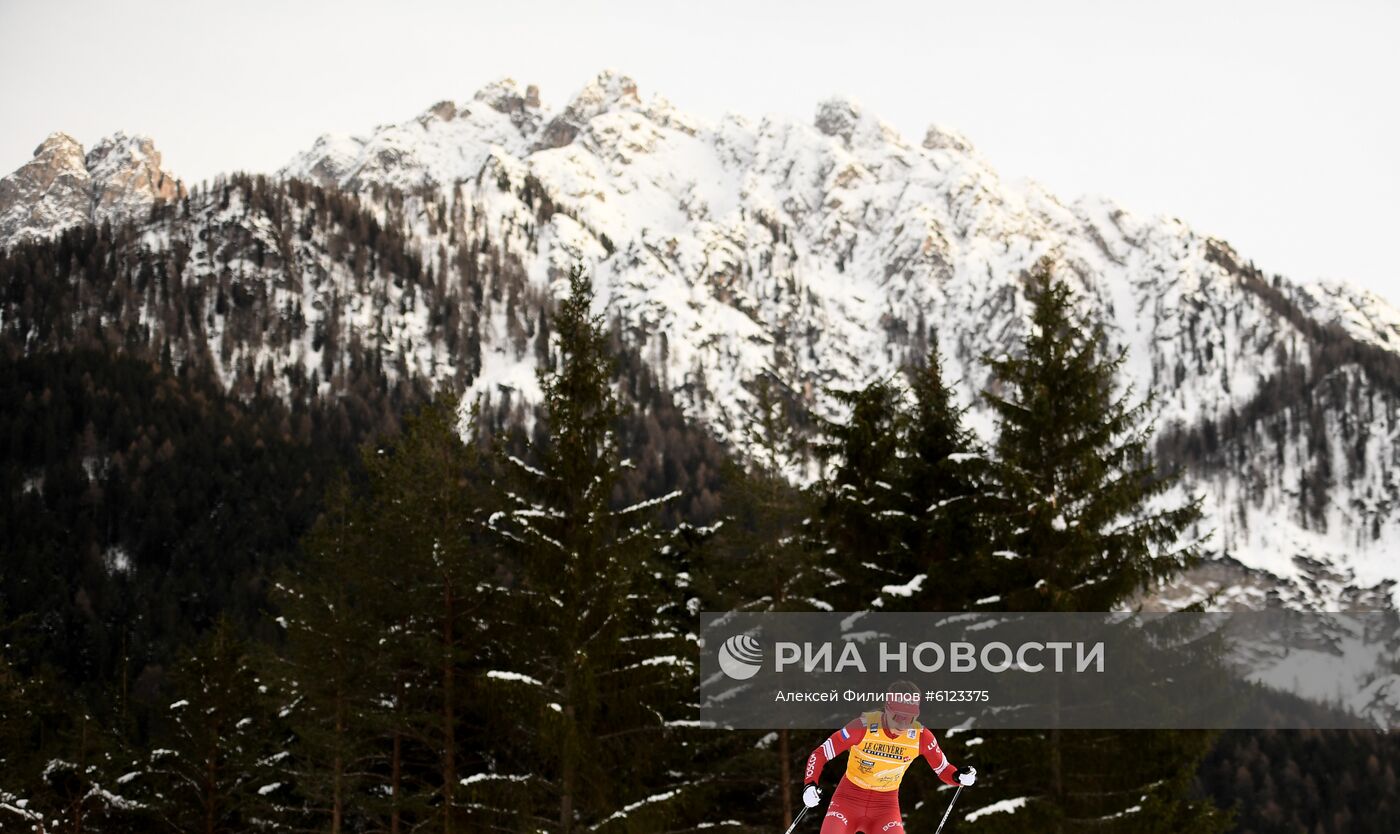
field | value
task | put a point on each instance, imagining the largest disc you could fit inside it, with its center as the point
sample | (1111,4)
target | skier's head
(901,705)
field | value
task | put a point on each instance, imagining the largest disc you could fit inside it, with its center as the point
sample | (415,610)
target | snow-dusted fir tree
(901,516)
(215,767)
(331,672)
(597,665)
(385,635)
(60,767)
(941,482)
(860,522)
(1076,530)
(1079,530)
(424,538)
(28,704)
(762,559)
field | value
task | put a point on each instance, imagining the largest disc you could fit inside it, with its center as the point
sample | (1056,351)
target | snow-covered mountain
(819,252)
(822,252)
(118,180)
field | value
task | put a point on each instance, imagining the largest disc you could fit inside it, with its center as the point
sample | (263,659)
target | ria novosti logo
(740,657)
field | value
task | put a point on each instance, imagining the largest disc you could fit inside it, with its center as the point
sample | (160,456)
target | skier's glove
(812,796)
(967,777)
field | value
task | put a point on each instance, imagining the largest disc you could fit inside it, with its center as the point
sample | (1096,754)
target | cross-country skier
(882,744)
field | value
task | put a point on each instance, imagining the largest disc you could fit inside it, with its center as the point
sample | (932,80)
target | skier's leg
(838,819)
(836,822)
(886,821)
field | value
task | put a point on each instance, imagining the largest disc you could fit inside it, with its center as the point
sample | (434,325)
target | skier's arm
(933,754)
(840,742)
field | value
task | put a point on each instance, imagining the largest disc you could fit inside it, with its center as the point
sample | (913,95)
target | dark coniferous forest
(239,596)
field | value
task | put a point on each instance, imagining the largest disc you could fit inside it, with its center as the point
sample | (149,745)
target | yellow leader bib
(878,762)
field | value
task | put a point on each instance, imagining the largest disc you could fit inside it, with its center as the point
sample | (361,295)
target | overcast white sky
(1275,125)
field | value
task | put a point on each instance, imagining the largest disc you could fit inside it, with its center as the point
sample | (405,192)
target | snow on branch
(908,589)
(527,467)
(627,809)
(1006,806)
(496,674)
(641,505)
(495,777)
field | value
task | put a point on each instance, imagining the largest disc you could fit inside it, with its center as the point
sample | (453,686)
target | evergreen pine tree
(60,765)
(941,484)
(1079,528)
(424,547)
(761,559)
(901,513)
(597,668)
(213,770)
(331,670)
(22,727)
(80,788)
(1076,483)
(861,530)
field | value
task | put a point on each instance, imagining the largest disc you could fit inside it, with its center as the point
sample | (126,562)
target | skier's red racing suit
(867,798)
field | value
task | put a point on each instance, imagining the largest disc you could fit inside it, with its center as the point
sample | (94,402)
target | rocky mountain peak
(940,138)
(127,177)
(51,191)
(838,116)
(120,178)
(60,151)
(444,110)
(844,118)
(608,92)
(505,97)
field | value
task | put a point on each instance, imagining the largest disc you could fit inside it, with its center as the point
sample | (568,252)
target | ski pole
(797,819)
(949,811)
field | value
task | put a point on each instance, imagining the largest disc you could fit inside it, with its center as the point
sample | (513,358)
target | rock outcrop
(118,180)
